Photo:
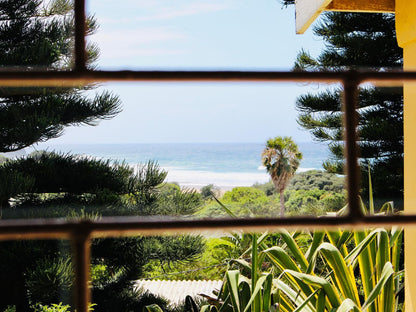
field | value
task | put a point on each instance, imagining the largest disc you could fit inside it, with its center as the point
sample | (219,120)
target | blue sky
(197,34)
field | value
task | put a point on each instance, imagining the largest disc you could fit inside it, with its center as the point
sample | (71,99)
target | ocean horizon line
(162,143)
(222,164)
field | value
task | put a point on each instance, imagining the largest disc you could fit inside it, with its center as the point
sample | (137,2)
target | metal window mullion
(81,242)
(80,31)
(352,170)
(81,257)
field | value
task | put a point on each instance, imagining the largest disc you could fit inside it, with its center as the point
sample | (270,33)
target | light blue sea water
(198,164)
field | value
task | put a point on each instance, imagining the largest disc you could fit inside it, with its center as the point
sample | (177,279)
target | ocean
(225,165)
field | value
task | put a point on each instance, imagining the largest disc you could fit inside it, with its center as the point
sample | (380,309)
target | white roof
(176,291)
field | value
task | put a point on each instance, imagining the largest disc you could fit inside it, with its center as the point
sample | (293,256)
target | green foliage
(294,282)
(89,188)
(308,180)
(99,274)
(184,248)
(56,184)
(56,173)
(174,202)
(313,202)
(241,201)
(311,193)
(248,199)
(3,159)
(54,307)
(281,158)
(124,260)
(337,271)
(120,296)
(17,183)
(356,40)
(315,179)
(40,35)
(210,265)
(268,188)
(50,281)
(331,285)
(208,191)
(18,259)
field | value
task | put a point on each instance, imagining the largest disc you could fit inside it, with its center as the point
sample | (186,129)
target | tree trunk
(282,203)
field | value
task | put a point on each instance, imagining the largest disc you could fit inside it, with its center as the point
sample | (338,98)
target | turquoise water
(198,164)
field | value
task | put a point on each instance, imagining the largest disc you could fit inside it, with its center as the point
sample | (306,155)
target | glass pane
(381,143)
(176,148)
(164,270)
(36,35)
(199,34)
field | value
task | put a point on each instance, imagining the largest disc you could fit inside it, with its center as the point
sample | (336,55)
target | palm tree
(281,158)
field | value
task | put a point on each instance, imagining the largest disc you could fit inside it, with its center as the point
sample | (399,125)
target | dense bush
(83,187)
(315,179)
(313,202)
(209,190)
(309,193)
(50,281)
(174,201)
(64,173)
(242,201)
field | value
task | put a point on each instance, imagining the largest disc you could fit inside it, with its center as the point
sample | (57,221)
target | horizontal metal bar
(80,77)
(128,226)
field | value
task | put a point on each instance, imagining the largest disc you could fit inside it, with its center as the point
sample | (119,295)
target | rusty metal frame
(81,232)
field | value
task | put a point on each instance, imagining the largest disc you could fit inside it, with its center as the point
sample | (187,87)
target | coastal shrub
(313,202)
(245,195)
(268,188)
(249,200)
(174,201)
(308,180)
(209,190)
(316,179)
(333,201)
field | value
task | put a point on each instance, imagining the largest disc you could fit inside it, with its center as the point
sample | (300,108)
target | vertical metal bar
(81,253)
(350,106)
(80,31)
